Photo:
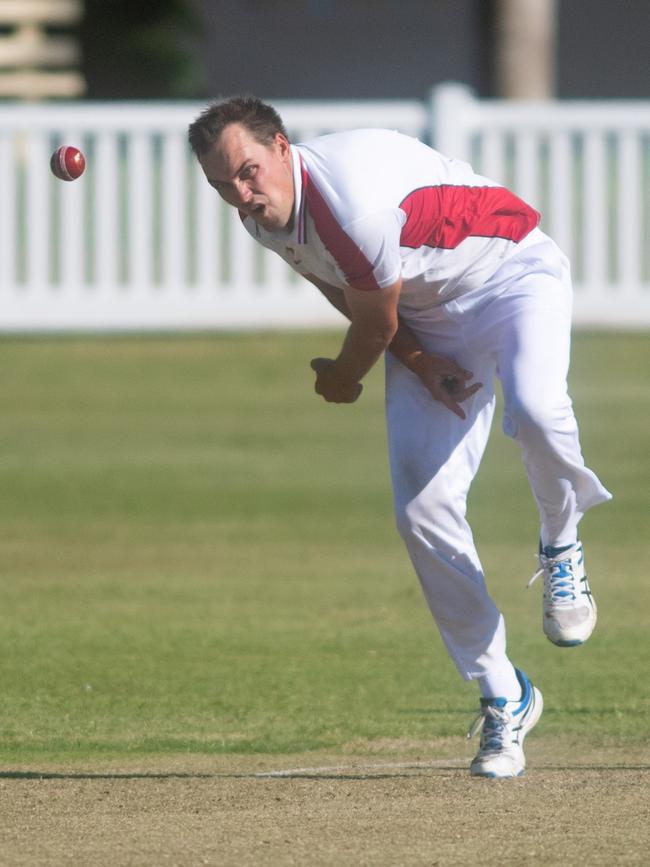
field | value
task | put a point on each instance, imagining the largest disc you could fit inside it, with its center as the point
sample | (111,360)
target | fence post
(452,110)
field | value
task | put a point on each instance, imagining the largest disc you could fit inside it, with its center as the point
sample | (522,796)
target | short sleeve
(372,260)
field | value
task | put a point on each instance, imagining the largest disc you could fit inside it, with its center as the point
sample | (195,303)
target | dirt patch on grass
(415,806)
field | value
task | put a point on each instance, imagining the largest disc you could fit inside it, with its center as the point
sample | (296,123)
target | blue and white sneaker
(504,726)
(569,608)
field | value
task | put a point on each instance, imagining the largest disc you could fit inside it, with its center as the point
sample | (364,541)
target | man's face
(255,178)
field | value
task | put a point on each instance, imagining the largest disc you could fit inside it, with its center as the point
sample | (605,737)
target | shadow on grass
(402,771)
(271,775)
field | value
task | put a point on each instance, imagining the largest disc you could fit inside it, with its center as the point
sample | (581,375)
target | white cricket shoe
(504,726)
(569,609)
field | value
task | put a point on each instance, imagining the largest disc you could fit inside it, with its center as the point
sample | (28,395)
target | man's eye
(248,173)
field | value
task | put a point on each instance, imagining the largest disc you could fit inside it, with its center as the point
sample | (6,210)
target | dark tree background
(345,49)
(141,49)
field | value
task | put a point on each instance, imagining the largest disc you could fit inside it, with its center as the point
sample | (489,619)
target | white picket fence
(142,242)
(586,167)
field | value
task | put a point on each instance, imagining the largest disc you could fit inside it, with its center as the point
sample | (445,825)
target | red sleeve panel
(443,216)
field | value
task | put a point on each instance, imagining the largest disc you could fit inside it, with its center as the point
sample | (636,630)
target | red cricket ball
(67,163)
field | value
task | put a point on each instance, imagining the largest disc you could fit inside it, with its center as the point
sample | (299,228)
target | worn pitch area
(371,808)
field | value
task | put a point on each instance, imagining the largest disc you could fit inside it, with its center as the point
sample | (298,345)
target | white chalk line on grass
(373,766)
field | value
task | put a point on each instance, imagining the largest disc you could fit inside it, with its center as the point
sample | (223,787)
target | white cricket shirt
(372,205)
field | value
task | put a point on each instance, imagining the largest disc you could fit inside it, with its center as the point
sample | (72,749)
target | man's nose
(244,193)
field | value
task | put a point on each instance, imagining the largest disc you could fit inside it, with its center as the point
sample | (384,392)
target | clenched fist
(329,384)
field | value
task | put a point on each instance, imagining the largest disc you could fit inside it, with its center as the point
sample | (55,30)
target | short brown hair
(259,118)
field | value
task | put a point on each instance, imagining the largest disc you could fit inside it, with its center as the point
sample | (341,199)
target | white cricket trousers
(516,328)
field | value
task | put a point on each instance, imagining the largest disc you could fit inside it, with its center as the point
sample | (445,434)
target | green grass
(198,555)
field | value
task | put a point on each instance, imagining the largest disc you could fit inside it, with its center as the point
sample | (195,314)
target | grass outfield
(198,555)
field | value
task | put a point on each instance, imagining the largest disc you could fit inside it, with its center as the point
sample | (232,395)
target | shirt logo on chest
(293,255)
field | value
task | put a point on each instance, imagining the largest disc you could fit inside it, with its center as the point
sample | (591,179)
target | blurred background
(551,97)
(323,49)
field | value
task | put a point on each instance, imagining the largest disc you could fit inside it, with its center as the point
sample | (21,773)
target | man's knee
(406,527)
(535,416)
(422,517)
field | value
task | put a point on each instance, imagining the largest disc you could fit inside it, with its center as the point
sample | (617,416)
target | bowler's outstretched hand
(330,385)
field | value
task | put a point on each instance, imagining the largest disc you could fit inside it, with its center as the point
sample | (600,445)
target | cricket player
(447,274)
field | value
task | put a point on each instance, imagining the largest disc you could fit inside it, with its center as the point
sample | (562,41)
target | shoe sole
(574,642)
(501,776)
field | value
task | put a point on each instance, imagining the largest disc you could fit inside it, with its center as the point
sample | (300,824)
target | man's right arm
(444,379)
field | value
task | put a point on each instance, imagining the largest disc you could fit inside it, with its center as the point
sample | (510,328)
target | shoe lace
(493,723)
(560,583)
